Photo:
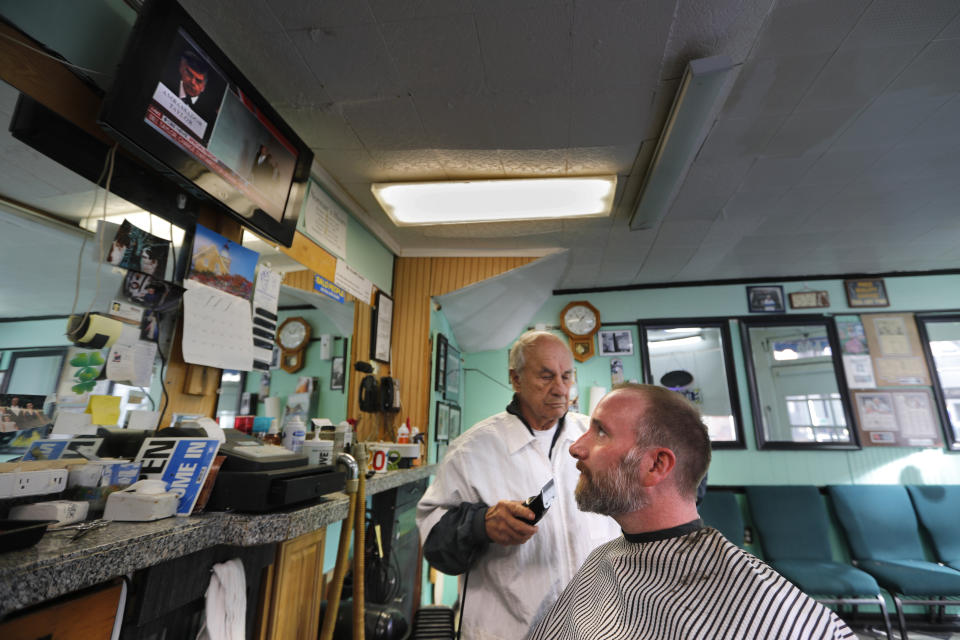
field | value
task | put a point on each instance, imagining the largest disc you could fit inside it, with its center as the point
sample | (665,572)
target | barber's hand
(504,525)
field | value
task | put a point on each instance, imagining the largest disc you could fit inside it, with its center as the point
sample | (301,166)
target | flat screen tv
(180,104)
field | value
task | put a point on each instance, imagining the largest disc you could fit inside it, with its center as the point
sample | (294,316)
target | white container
(294,433)
(318,451)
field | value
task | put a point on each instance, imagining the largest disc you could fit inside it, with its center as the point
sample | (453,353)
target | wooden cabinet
(88,616)
(294,589)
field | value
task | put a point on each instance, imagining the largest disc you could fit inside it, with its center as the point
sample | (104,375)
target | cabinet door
(296,590)
(85,617)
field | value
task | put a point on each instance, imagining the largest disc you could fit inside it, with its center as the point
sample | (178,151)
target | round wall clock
(580,320)
(293,336)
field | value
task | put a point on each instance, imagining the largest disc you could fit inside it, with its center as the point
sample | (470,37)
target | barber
(472,519)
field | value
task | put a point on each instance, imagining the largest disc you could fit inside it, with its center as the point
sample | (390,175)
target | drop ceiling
(837,150)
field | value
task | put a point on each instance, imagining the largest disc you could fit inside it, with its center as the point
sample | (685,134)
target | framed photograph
(765,299)
(809,299)
(441,450)
(382,328)
(866,293)
(454,423)
(442,421)
(616,343)
(451,389)
(440,375)
(336,373)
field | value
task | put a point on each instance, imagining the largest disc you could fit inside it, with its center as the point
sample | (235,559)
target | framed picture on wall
(451,390)
(866,293)
(616,343)
(442,421)
(382,329)
(336,373)
(440,375)
(765,299)
(441,450)
(454,423)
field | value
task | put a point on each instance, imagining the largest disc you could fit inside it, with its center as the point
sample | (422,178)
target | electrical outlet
(23,484)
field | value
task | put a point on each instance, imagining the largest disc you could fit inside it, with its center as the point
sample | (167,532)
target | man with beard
(472,519)
(668,576)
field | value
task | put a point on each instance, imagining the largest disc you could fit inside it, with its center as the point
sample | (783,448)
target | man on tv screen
(191,80)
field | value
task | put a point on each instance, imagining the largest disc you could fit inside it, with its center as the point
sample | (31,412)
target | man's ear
(658,464)
(515,379)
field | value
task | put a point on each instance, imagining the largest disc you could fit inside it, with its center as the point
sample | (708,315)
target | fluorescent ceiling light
(675,342)
(423,203)
(703,90)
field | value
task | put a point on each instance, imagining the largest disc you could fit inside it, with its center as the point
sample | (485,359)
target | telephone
(390,394)
(370,394)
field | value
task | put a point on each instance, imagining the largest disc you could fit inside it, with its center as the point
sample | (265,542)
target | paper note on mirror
(217,329)
(131,359)
(104,410)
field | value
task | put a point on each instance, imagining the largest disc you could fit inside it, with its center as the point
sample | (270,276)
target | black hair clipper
(540,502)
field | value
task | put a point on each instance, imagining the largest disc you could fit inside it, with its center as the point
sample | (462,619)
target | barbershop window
(694,358)
(797,391)
(940,336)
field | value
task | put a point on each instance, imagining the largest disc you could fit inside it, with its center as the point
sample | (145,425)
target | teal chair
(884,537)
(938,507)
(720,510)
(794,531)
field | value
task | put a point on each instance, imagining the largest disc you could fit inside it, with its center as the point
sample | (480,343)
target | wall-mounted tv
(180,104)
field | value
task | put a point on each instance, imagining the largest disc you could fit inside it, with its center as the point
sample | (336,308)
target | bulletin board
(897,418)
(894,345)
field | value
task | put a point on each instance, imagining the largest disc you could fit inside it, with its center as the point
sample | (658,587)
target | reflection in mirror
(796,385)
(228,398)
(941,337)
(693,358)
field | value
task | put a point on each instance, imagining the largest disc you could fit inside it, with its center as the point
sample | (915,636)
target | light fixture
(147,221)
(675,342)
(703,90)
(451,202)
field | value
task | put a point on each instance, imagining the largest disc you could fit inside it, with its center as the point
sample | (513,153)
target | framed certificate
(382,329)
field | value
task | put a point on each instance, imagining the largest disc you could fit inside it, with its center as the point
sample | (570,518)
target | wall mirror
(940,336)
(693,357)
(797,391)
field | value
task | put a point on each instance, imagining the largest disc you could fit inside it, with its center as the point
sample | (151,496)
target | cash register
(256,477)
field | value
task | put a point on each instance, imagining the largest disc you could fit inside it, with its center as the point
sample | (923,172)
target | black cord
(163,388)
(463,602)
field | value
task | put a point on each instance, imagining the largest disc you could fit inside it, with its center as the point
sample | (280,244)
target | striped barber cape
(684,583)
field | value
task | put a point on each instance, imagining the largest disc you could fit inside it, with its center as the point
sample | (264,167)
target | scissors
(84,528)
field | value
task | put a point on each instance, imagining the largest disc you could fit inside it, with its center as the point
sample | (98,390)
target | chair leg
(900,619)
(886,618)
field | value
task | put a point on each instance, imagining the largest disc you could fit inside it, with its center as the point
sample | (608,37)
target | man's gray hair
(518,352)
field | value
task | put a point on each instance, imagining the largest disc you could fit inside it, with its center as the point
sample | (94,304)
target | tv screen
(181,105)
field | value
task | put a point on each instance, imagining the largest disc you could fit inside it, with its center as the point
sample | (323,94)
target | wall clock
(580,320)
(293,336)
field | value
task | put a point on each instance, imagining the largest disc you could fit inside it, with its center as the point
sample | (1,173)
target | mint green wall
(367,255)
(330,404)
(870,465)
(33,333)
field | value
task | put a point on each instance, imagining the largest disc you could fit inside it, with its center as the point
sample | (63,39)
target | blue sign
(182,463)
(328,289)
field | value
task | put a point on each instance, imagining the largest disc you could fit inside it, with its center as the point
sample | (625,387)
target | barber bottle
(294,432)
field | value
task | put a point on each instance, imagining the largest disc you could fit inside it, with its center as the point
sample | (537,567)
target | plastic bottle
(342,438)
(403,433)
(294,432)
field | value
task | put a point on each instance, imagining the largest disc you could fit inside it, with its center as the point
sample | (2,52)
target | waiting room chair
(720,510)
(938,507)
(794,531)
(884,538)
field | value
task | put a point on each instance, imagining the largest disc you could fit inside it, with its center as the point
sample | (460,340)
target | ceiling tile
(309,14)
(612,160)
(805,26)
(854,77)
(347,165)
(531,120)
(471,163)
(399,10)
(777,171)
(839,166)
(688,232)
(932,73)
(941,128)
(892,22)
(810,132)
(606,50)
(407,164)
(737,138)
(609,116)
(462,121)
(707,187)
(888,120)
(773,86)
(526,49)
(440,53)
(519,163)
(320,127)
(363,69)
(390,123)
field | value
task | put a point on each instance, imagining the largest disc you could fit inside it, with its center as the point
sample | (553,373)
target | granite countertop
(56,565)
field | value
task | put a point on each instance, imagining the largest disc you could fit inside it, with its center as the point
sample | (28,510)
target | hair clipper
(540,502)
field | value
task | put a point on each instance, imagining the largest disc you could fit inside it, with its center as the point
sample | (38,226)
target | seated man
(667,576)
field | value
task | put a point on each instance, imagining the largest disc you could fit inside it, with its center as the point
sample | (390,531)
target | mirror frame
(729,366)
(757,413)
(952,440)
(33,352)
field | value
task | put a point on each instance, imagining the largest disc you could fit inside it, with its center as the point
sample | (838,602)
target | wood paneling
(312,256)
(296,591)
(85,617)
(415,281)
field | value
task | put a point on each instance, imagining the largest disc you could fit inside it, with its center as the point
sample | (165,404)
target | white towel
(226,603)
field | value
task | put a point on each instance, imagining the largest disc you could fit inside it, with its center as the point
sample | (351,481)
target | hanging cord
(74,329)
(486,375)
(163,388)
(463,602)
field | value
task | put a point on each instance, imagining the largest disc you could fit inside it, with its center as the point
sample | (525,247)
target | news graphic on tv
(195,107)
